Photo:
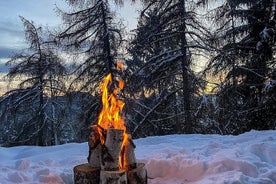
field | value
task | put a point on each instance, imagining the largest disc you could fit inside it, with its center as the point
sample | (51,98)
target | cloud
(12,41)
(12,35)
(8,52)
(42,12)
(11,28)
(3,67)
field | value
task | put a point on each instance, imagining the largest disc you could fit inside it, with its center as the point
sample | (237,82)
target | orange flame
(120,66)
(112,107)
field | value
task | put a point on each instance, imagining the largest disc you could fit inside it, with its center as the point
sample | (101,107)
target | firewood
(94,157)
(138,175)
(113,177)
(110,155)
(94,137)
(85,174)
(94,143)
(128,154)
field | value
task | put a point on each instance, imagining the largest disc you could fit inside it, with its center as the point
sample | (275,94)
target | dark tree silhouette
(245,38)
(37,71)
(90,30)
(167,38)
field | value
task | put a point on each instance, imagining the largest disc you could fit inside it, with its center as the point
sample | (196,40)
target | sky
(42,12)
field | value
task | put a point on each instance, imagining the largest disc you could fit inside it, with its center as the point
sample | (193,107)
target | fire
(111,148)
(111,108)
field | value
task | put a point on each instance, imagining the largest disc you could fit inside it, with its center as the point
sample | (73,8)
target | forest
(58,95)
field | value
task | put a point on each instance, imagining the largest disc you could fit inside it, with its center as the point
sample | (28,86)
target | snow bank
(210,159)
(249,158)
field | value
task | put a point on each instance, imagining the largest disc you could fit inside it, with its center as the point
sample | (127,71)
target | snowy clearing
(249,158)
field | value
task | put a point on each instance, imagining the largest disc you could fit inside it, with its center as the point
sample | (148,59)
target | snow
(266,33)
(249,158)
(269,85)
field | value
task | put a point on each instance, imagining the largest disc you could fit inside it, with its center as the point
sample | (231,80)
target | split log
(138,175)
(111,150)
(85,174)
(94,137)
(94,143)
(128,154)
(113,177)
(94,158)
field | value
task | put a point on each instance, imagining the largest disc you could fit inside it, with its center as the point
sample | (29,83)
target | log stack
(111,160)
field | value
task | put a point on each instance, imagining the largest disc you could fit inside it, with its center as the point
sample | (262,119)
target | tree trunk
(106,39)
(185,75)
(40,132)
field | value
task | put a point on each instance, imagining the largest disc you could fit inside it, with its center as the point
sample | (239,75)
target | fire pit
(111,158)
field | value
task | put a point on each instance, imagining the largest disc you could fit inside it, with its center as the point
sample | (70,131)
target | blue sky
(42,13)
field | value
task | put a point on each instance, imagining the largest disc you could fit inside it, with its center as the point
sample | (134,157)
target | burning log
(113,170)
(128,160)
(110,173)
(111,159)
(111,150)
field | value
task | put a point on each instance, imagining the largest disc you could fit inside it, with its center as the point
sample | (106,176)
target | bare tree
(91,32)
(37,70)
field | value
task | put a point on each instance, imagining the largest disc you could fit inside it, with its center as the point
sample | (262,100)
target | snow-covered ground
(249,158)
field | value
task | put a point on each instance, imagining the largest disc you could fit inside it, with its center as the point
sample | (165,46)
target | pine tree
(245,38)
(166,40)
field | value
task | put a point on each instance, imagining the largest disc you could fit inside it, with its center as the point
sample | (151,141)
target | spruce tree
(167,38)
(245,38)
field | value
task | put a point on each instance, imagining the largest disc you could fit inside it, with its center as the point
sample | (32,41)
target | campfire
(111,158)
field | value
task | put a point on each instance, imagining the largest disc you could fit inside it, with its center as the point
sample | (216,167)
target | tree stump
(138,175)
(113,177)
(85,174)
